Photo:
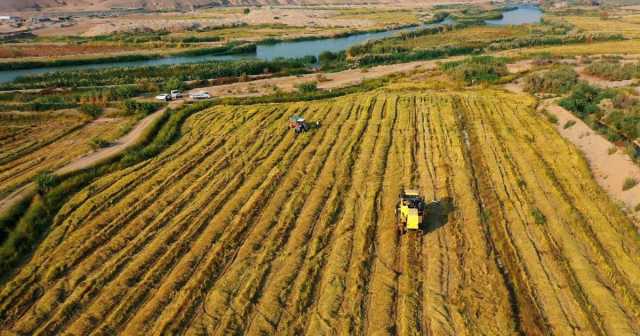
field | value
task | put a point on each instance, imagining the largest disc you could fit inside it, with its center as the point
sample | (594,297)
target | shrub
(584,99)
(174,84)
(569,123)
(538,216)
(91,110)
(97,143)
(559,80)
(613,70)
(45,181)
(629,183)
(476,69)
(131,107)
(552,118)
(307,87)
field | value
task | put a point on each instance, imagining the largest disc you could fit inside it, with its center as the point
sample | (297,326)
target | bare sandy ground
(520,66)
(127,141)
(610,170)
(177,21)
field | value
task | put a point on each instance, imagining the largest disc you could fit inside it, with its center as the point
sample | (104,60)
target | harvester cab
(298,124)
(410,211)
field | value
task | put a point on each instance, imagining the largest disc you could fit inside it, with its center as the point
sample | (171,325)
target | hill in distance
(89,5)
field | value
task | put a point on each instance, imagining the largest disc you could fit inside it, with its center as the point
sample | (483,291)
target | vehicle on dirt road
(410,211)
(164,97)
(200,95)
(176,94)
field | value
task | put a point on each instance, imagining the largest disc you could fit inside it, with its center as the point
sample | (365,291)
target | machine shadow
(437,214)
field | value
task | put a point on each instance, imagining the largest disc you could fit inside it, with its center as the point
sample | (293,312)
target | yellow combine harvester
(410,211)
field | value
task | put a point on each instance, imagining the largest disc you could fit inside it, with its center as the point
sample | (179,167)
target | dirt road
(327,81)
(92,158)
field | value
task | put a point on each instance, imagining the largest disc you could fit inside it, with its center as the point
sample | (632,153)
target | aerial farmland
(467,169)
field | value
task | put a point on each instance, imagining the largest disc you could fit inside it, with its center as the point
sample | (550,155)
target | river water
(522,15)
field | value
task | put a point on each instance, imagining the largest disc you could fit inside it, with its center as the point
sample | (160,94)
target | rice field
(626,47)
(242,227)
(39,141)
(626,25)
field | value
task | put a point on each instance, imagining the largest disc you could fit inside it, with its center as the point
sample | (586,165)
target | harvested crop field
(53,50)
(242,227)
(35,142)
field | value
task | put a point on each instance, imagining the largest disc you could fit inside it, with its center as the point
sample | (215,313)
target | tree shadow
(437,214)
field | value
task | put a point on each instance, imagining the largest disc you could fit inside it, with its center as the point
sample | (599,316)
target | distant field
(380,17)
(609,47)
(242,227)
(626,26)
(52,50)
(34,142)
(458,36)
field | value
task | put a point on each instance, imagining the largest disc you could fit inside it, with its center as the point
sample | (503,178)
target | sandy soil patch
(610,170)
(520,66)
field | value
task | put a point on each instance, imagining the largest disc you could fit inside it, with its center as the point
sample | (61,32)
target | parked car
(164,97)
(200,95)
(175,94)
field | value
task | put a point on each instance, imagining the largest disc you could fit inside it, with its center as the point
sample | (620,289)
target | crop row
(243,227)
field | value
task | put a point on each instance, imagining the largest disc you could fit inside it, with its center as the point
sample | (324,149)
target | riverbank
(265,49)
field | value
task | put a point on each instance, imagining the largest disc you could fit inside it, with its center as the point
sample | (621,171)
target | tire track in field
(531,321)
(235,319)
(582,230)
(381,299)
(104,279)
(437,314)
(296,321)
(568,315)
(409,296)
(48,252)
(188,263)
(174,243)
(331,278)
(368,221)
(313,218)
(453,234)
(184,310)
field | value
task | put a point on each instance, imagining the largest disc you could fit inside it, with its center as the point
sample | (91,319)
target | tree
(174,83)
(246,11)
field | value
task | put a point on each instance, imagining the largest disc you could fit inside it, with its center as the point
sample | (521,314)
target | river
(522,15)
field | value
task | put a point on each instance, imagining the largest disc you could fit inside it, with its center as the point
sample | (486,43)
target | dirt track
(329,81)
(91,159)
